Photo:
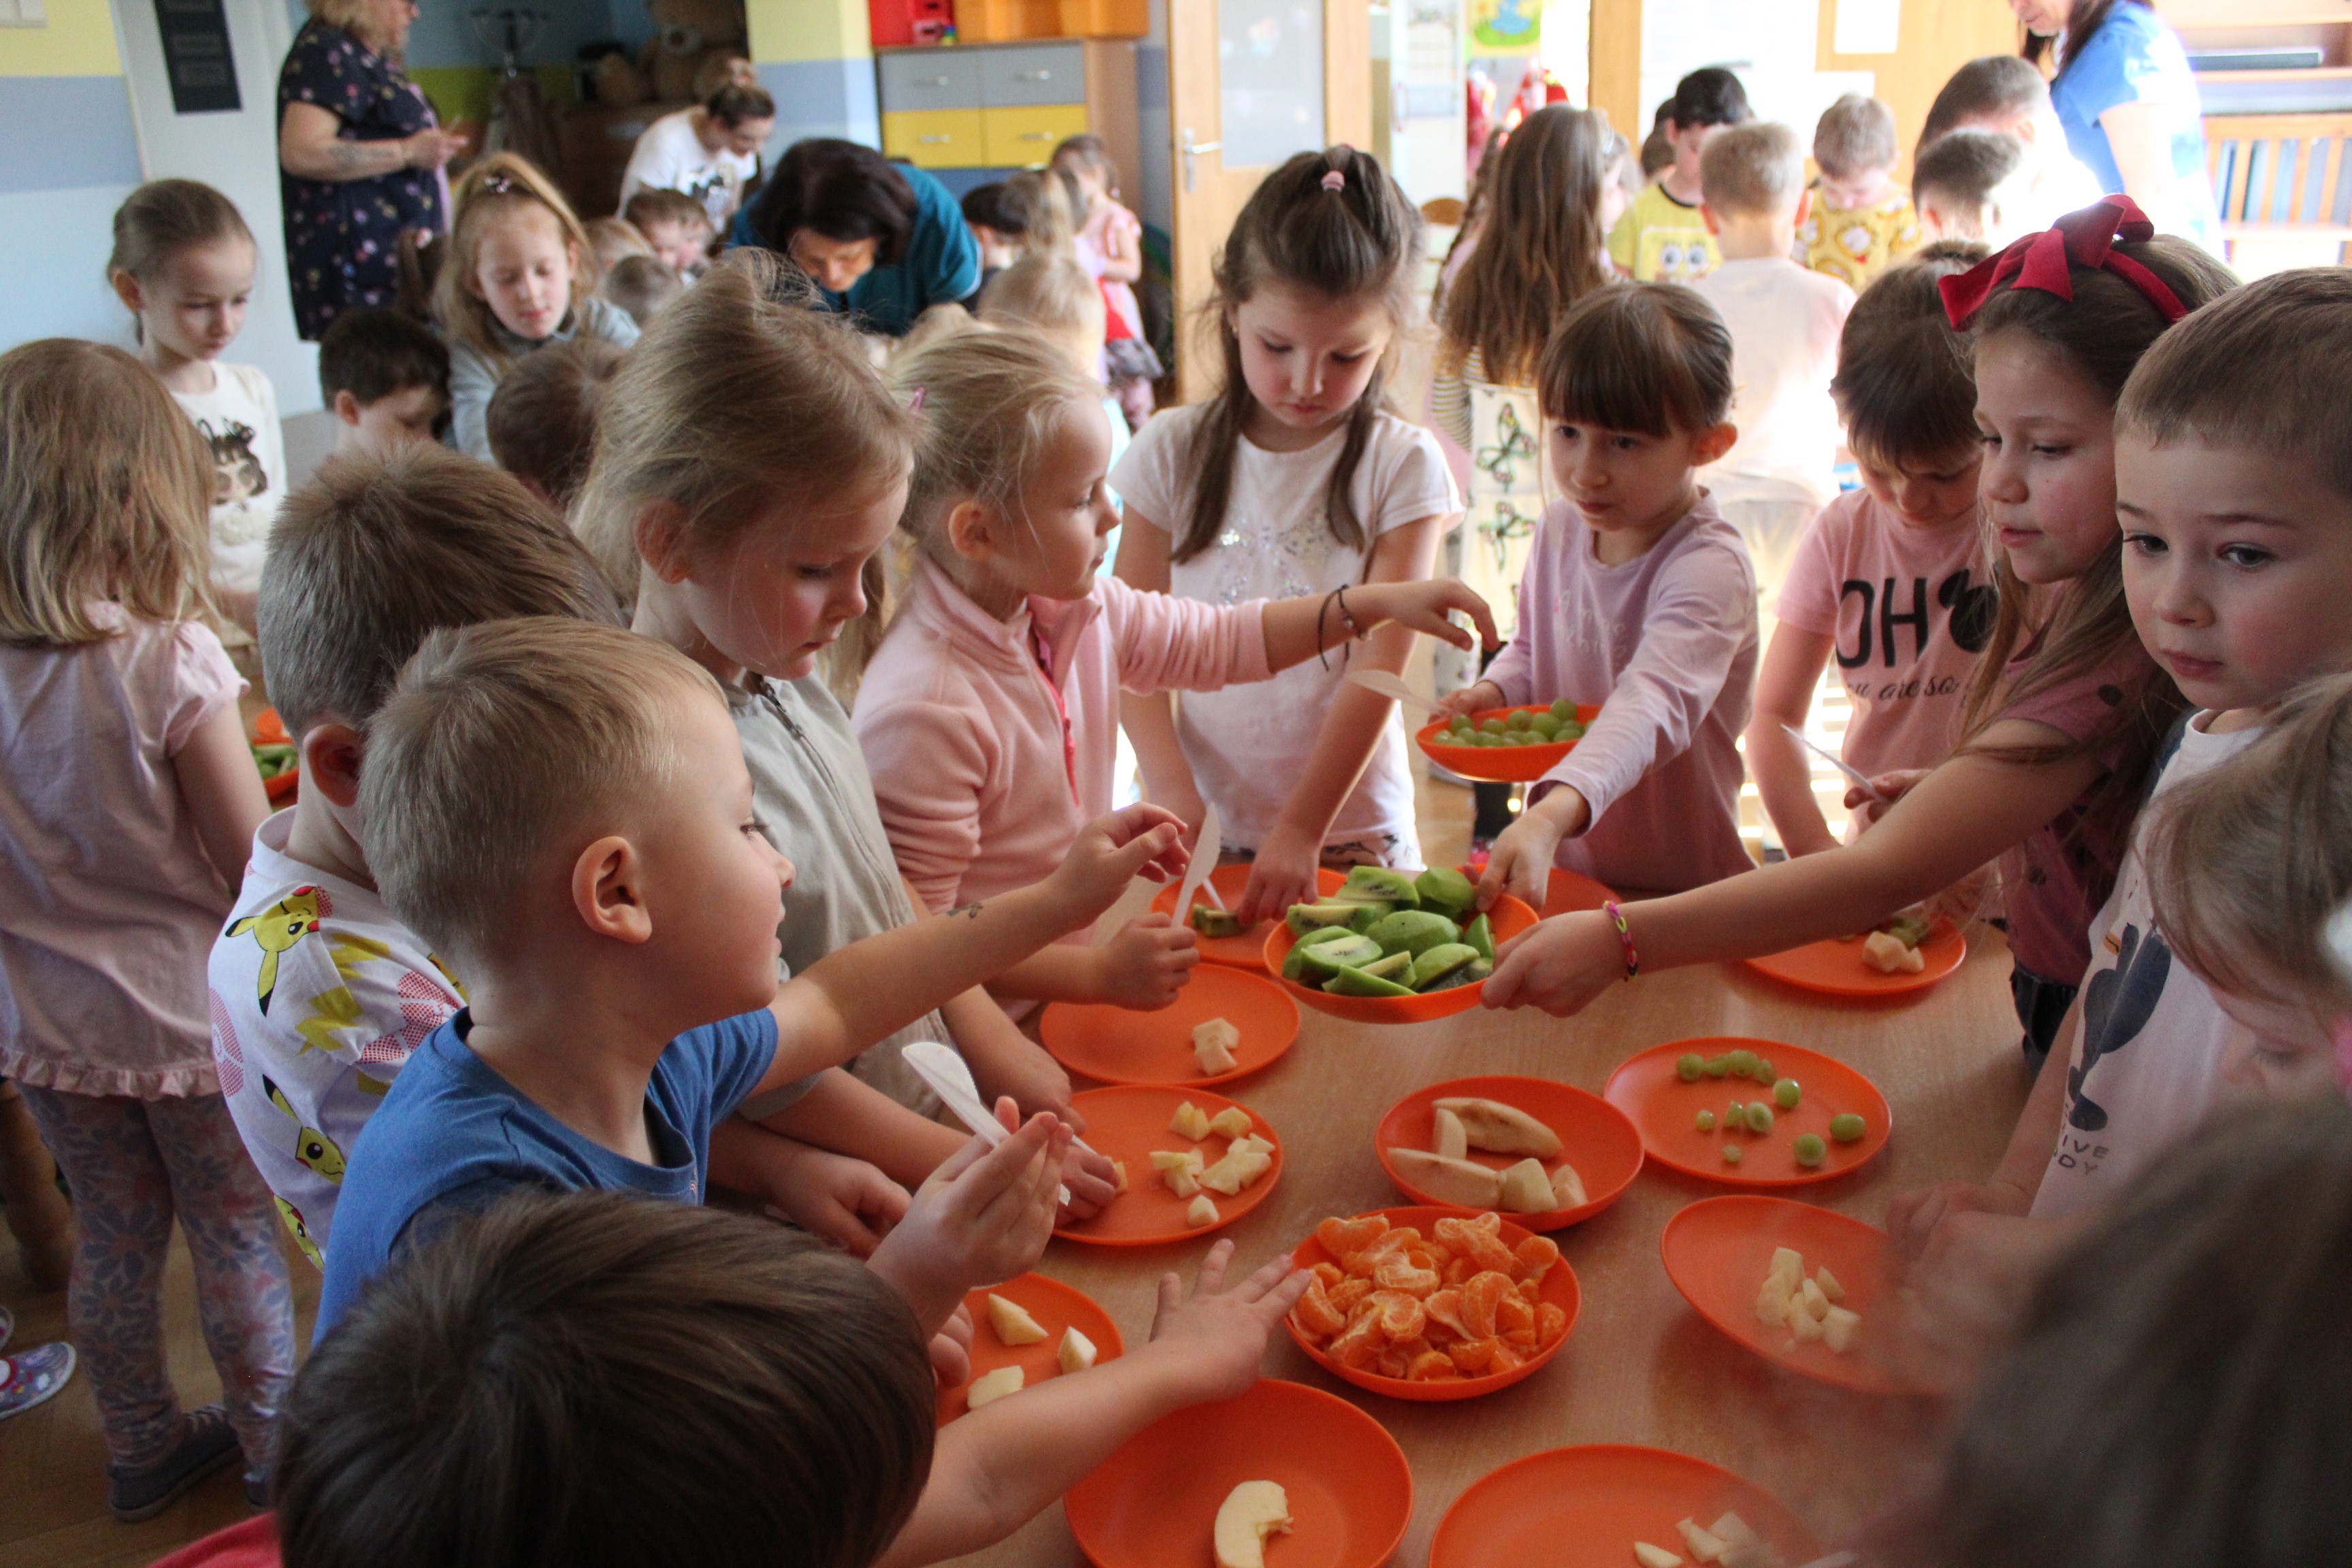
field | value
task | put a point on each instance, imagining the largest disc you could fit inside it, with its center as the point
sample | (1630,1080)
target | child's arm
(1297,629)
(1964,814)
(223,791)
(1283,871)
(844,1116)
(856,995)
(841,1200)
(1005,1062)
(1783,775)
(471,382)
(1148,717)
(997,1468)
(1913,1218)
(1122,248)
(1143,966)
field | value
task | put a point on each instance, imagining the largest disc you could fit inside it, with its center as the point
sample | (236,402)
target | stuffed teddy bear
(688,32)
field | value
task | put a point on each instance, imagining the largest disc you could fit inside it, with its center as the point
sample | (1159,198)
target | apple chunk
(1251,1511)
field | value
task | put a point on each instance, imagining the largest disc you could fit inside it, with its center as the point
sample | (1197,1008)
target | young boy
(2009,95)
(1973,185)
(641,285)
(563,810)
(1863,223)
(385,375)
(763,1400)
(1661,238)
(675,226)
(996,227)
(1784,322)
(542,418)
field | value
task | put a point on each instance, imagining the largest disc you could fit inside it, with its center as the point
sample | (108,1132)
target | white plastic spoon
(1840,763)
(1388,684)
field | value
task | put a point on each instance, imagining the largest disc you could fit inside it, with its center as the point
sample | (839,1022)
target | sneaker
(28,1377)
(206,1443)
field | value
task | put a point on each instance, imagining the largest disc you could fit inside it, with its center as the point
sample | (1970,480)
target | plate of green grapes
(1508,746)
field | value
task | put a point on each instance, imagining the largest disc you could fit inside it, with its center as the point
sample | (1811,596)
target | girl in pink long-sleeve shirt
(989,715)
(1638,596)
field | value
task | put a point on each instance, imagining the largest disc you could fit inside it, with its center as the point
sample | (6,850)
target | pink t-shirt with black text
(1908,609)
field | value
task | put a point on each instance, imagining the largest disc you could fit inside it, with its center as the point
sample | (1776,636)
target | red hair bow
(2084,239)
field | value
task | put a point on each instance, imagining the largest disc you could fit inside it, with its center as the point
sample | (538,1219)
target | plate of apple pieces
(1908,952)
(1187,1162)
(1389,946)
(1546,1153)
(1024,1332)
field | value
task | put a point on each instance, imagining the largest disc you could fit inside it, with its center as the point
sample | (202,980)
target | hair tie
(2086,238)
(1333,180)
(499,183)
(915,403)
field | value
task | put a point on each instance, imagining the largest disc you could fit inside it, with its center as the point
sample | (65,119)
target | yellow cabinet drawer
(939,138)
(1019,137)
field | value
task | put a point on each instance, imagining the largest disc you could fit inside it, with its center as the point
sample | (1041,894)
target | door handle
(1190,148)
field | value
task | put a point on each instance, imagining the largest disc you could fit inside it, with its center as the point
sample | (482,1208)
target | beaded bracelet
(1624,936)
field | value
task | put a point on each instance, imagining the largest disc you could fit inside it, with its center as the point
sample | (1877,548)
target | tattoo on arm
(352,159)
(971,911)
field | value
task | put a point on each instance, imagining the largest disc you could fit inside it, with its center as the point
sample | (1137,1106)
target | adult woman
(711,152)
(2129,102)
(882,241)
(359,155)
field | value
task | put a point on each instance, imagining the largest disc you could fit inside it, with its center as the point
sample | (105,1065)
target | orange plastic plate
(1584,1508)
(1570,892)
(1118,1046)
(1127,1124)
(1647,1088)
(1717,1252)
(1836,968)
(1056,1306)
(268,727)
(1508,918)
(1154,1502)
(1247,950)
(1601,1142)
(1559,1289)
(1500,764)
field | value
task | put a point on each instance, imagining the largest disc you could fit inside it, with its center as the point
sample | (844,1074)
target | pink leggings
(133,1165)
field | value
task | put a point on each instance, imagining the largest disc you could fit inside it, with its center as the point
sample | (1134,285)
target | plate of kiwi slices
(1393,947)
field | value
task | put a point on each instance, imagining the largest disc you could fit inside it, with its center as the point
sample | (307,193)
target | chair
(2283,187)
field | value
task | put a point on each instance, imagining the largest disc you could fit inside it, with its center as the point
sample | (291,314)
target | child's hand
(1282,874)
(1891,785)
(1143,840)
(952,1349)
(1912,1217)
(1092,1181)
(1146,964)
(844,1201)
(1425,606)
(1215,1341)
(1520,862)
(1560,965)
(983,1216)
(1022,1070)
(1471,698)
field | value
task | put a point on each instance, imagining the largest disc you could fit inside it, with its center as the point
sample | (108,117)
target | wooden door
(1208,188)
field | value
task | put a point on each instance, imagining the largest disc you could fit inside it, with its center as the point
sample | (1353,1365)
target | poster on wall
(1505,27)
(196,56)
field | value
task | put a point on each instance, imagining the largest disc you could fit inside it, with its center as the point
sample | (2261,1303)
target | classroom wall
(71,156)
(815,57)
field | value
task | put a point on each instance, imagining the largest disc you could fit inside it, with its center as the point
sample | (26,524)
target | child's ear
(346,406)
(127,289)
(659,534)
(1714,220)
(604,891)
(1714,443)
(970,529)
(331,752)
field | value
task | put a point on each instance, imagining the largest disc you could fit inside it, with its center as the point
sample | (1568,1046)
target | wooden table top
(1639,1367)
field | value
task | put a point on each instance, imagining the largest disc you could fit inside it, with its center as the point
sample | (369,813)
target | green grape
(1810,1150)
(1563,710)
(1569,730)
(1491,726)
(1764,1073)
(1759,1118)
(1785,1094)
(1706,1121)
(1733,1154)
(1846,1128)
(1688,1067)
(1718,1066)
(1743,1064)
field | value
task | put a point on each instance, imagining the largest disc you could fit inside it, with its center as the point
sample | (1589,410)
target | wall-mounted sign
(196,56)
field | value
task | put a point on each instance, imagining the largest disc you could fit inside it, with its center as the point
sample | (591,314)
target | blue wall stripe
(66,133)
(822,98)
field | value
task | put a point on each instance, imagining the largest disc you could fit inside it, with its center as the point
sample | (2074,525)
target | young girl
(516,277)
(1052,297)
(1643,600)
(1296,479)
(2066,710)
(183,265)
(987,717)
(1109,239)
(117,858)
(1890,577)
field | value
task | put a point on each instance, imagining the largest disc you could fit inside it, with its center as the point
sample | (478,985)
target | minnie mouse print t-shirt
(238,420)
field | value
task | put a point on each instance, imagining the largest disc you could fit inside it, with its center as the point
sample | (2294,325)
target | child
(641,285)
(611,238)
(1971,186)
(1648,605)
(385,377)
(2008,94)
(182,264)
(543,419)
(995,228)
(515,281)
(1662,237)
(1296,478)
(769,1400)
(2062,724)
(1110,237)
(676,227)
(1038,201)
(987,716)
(112,862)
(709,152)
(1890,578)
(1784,322)
(767,462)
(1864,222)
(1052,297)
(563,810)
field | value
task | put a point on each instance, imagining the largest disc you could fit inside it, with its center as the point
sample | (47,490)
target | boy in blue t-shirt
(562,809)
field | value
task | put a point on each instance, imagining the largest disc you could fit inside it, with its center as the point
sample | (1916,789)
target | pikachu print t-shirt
(319,995)
(2146,1066)
(238,420)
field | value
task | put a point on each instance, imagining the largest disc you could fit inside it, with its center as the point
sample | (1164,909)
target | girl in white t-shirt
(118,855)
(1294,479)
(182,264)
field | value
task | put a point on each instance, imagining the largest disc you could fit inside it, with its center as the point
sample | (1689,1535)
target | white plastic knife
(1840,763)
(951,1079)
(1203,861)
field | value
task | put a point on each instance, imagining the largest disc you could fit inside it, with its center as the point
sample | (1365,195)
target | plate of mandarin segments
(1153,1504)
(1586,1506)
(1597,1138)
(1118,1044)
(1836,967)
(1431,1304)
(1650,1087)
(1247,950)
(1055,1306)
(1127,1124)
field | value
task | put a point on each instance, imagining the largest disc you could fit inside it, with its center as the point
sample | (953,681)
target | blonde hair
(989,403)
(350,15)
(499,741)
(738,400)
(944,320)
(1049,222)
(1754,170)
(105,494)
(1853,135)
(612,239)
(501,185)
(1049,294)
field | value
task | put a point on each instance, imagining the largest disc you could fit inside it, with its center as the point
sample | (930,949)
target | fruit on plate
(1729,1540)
(1232,1122)
(1190,1121)
(1650,1556)
(1379,884)
(1251,1511)
(1011,1323)
(1412,931)
(1526,1188)
(1215,923)
(989,1387)
(1241,1167)
(1538,726)
(1213,1044)
(1451,1138)
(1377,936)
(1458,1302)
(1075,1352)
(271,758)
(1846,1127)
(1445,891)
(1464,1184)
(1501,1129)
(1181,1170)
(1804,1307)
(1567,1188)
(1202,1210)
(1887,954)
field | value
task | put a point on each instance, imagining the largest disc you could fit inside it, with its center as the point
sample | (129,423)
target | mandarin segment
(1534,1258)
(1316,1315)
(1341,1236)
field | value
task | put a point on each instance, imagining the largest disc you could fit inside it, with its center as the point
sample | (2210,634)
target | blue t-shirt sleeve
(735,1053)
(2121,63)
